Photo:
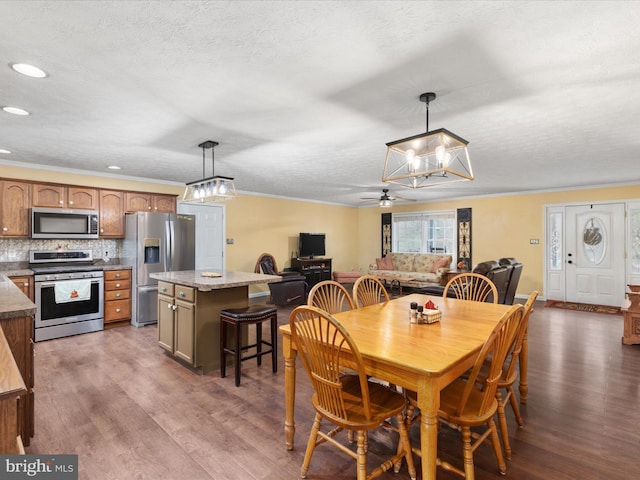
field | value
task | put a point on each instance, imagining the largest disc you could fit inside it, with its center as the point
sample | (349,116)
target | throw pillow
(443,262)
(384,263)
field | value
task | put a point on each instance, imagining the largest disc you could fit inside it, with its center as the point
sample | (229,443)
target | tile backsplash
(17,249)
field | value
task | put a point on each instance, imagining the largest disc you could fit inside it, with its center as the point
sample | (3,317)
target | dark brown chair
(498,274)
(291,290)
(350,402)
(514,279)
(235,318)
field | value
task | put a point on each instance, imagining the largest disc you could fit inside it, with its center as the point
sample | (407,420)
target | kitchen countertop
(229,279)
(18,269)
(13,303)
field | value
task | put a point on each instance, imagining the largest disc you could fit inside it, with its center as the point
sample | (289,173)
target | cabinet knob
(61,202)
(117,285)
(117,275)
(26,284)
(4,229)
(169,306)
(117,295)
(181,293)
(164,289)
(117,310)
(70,202)
(174,307)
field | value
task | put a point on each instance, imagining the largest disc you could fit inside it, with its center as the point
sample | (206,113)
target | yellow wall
(263,224)
(501,226)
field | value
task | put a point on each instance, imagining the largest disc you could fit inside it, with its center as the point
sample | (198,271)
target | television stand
(314,269)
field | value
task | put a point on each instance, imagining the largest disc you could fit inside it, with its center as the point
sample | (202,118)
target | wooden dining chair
(509,376)
(368,290)
(472,286)
(331,297)
(349,402)
(470,401)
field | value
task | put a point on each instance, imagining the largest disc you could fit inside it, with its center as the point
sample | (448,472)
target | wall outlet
(534,241)
(229,241)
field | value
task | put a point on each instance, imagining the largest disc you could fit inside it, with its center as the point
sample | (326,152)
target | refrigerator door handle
(172,244)
(167,246)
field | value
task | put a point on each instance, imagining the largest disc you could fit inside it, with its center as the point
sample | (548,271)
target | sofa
(425,269)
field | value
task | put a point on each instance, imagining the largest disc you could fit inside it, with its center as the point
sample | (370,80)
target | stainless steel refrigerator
(155,242)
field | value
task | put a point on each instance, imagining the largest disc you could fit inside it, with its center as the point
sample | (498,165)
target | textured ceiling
(303,96)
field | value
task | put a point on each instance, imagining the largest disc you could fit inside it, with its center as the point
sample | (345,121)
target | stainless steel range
(69,293)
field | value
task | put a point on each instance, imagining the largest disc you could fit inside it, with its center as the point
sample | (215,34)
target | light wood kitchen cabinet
(164,203)
(14,208)
(24,283)
(176,320)
(149,202)
(117,296)
(111,214)
(61,196)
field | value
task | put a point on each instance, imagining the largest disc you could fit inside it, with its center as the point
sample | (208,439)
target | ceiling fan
(385,200)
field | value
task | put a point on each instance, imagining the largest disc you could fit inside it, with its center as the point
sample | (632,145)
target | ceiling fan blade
(402,199)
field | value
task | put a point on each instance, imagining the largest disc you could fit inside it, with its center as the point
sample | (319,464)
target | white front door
(210,234)
(594,258)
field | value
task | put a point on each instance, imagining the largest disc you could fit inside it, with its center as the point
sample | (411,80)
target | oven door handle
(52,284)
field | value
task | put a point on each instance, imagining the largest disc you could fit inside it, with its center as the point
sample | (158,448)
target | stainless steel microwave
(63,223)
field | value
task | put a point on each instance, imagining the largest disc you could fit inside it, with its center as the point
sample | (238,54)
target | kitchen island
(189,304)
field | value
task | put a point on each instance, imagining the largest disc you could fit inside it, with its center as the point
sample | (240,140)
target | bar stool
(250,315)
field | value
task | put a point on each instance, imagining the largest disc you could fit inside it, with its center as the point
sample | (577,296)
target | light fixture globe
(211,189)
(428,159)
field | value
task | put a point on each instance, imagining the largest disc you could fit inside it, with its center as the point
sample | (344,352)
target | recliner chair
(498,274)
(514,279)
(291,290)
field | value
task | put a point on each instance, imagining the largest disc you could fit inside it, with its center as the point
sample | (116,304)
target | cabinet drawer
(117,310)
(117,295)
(117,285)
(185,293)
(117,275)
(165,288)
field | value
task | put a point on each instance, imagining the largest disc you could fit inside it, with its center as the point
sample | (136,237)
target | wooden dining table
(424,358)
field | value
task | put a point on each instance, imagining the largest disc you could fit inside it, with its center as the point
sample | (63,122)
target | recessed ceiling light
(28,70)
(4,150)
(15,110)
(113,167)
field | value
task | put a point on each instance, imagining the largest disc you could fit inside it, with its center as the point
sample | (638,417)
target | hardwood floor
(129,411)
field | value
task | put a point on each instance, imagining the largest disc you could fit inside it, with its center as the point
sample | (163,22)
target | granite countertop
(13,303)
(228,279)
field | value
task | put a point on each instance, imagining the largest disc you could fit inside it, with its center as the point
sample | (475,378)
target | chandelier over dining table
(427,159)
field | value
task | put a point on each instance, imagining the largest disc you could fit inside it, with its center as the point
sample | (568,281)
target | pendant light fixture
(428,159)
(212,189)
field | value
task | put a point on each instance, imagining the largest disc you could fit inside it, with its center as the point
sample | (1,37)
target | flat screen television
(312,245)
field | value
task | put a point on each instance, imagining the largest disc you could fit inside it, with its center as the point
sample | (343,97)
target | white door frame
(555,253)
